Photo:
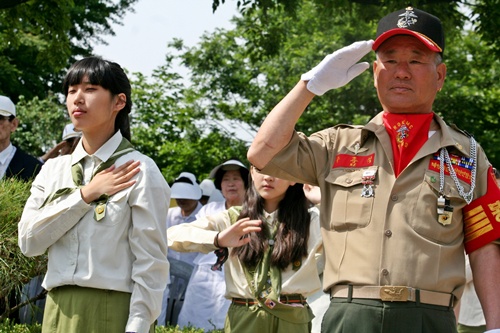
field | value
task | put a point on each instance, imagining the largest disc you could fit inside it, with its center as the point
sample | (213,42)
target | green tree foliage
(41,122)
(170,124)
(484,13)
(39,38)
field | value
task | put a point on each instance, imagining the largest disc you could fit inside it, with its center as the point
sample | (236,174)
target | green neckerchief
(264,279)
(124,147)
(268,277)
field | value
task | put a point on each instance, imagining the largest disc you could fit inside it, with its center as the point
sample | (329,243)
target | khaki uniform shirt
(394,237)
(199,236)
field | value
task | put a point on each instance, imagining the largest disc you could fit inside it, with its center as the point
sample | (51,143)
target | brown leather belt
(393,294)
(285,299)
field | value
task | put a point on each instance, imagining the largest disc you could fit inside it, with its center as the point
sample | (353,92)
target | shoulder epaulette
(348,126)
(464,132)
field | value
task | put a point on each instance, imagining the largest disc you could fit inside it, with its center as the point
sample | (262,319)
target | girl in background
(100,212)
(274,243)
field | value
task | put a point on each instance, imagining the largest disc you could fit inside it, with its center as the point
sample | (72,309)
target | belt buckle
(394,293)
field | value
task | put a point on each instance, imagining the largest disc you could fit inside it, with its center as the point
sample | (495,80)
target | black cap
(414,22)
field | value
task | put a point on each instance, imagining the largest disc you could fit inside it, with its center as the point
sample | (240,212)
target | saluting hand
(110,181)
(338,68)
(236,235)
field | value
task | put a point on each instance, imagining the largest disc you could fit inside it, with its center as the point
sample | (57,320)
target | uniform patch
(461,165)
(353,161)
(482,217)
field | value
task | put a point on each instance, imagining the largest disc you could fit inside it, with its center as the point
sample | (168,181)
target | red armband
(482,217)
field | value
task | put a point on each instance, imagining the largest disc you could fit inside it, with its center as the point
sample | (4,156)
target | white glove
(338,68)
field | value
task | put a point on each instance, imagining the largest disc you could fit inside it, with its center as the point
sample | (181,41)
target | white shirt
(210,208)
(471,312)
(125,251)
(175,217)
(6,156)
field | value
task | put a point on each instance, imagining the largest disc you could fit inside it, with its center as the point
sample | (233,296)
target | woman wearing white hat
(187,193)
(204,304)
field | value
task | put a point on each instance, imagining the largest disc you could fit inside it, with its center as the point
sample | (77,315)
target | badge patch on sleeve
(353,161)
(482,217)
(461,165)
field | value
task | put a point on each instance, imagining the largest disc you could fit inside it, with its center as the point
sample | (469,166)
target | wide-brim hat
(208,189)
(186,187)
(414,22)
(232,164)
(7,107)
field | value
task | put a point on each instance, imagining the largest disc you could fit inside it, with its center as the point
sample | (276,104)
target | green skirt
(254,318)
(73,309)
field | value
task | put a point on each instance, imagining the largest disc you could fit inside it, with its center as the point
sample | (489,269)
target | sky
(140,44)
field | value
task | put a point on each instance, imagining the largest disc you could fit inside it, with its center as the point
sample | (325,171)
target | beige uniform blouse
(199,236)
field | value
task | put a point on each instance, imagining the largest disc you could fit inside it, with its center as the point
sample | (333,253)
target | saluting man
(401,196)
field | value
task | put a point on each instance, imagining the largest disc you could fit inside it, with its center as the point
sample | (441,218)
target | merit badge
(444,210)
(367,181)
(100,211)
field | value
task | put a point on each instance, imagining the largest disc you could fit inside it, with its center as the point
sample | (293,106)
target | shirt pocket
(349,210)
(424,217)
(117,210)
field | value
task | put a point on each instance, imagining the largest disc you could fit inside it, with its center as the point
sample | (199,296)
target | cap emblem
(408,18)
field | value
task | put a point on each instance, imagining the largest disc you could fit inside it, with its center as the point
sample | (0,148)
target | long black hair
(290,243)
(108,75)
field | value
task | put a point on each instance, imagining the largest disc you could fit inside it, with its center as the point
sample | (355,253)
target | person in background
(70,138)
(205,305)
(100,215)
(187,193)
(402,196)
(14,163)
(469,312)
(272,245)
(209,192)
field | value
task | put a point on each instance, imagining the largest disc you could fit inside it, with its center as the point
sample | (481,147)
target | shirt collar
(270,217)
(103,153)
(4,154)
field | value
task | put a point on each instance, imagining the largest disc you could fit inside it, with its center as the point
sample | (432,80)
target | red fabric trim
(353,161)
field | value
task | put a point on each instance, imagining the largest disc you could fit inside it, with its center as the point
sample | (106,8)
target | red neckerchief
(408,133)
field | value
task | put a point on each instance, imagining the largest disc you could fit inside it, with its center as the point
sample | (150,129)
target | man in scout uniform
(401,196)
